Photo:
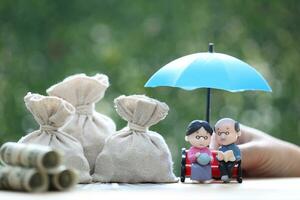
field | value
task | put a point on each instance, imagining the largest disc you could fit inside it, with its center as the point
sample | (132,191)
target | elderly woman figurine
(198,134)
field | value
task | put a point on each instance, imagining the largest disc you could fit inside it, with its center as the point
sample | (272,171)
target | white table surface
(266,189)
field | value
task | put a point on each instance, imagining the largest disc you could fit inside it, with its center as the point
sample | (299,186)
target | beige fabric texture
(88,126)
(52,113)
(136,154)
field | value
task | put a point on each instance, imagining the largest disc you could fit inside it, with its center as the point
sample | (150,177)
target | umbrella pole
(210,50)
(208,105)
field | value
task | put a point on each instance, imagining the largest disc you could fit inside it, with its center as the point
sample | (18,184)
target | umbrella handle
(211,47)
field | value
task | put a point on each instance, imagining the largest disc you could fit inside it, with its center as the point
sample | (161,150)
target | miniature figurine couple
(199,135)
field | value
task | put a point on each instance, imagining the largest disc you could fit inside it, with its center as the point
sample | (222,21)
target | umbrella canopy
(209,70)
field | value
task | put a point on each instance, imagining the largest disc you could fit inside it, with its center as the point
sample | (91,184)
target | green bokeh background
(42,42)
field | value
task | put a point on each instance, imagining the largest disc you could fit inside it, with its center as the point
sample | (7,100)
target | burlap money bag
(52,113)
(88,126)
(136,154)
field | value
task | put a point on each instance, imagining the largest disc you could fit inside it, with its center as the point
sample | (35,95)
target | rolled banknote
(23,179)
(30,155)
(62,178)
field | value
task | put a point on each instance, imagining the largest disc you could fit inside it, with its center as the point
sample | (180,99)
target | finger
(250,134)
(247,135)
(249,155)
(259,160)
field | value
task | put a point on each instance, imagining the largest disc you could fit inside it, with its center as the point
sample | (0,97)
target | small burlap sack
(52,113)
(88,126)
(135,154)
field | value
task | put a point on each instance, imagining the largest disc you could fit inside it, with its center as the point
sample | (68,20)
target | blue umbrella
(209,70)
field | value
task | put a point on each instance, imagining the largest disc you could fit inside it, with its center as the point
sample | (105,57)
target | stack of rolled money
(34,168)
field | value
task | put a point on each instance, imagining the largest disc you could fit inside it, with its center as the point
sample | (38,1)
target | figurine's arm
(210,155)
(236,152)
(192,154)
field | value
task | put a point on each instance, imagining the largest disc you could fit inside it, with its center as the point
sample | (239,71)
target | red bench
(186,167)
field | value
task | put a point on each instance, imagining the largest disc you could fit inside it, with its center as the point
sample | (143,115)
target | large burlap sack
(52,113)
(136,154)
(88,126)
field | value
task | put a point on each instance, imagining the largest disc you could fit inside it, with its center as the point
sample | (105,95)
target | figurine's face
(225,132)
(200,138)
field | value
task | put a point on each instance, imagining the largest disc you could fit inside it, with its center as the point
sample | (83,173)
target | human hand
(197,154)
(266,156)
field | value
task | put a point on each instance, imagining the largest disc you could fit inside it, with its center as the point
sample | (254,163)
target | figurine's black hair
(237,126)
(196,125)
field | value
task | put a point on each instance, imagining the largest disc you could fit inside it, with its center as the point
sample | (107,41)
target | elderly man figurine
(227,132)
(198,134)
